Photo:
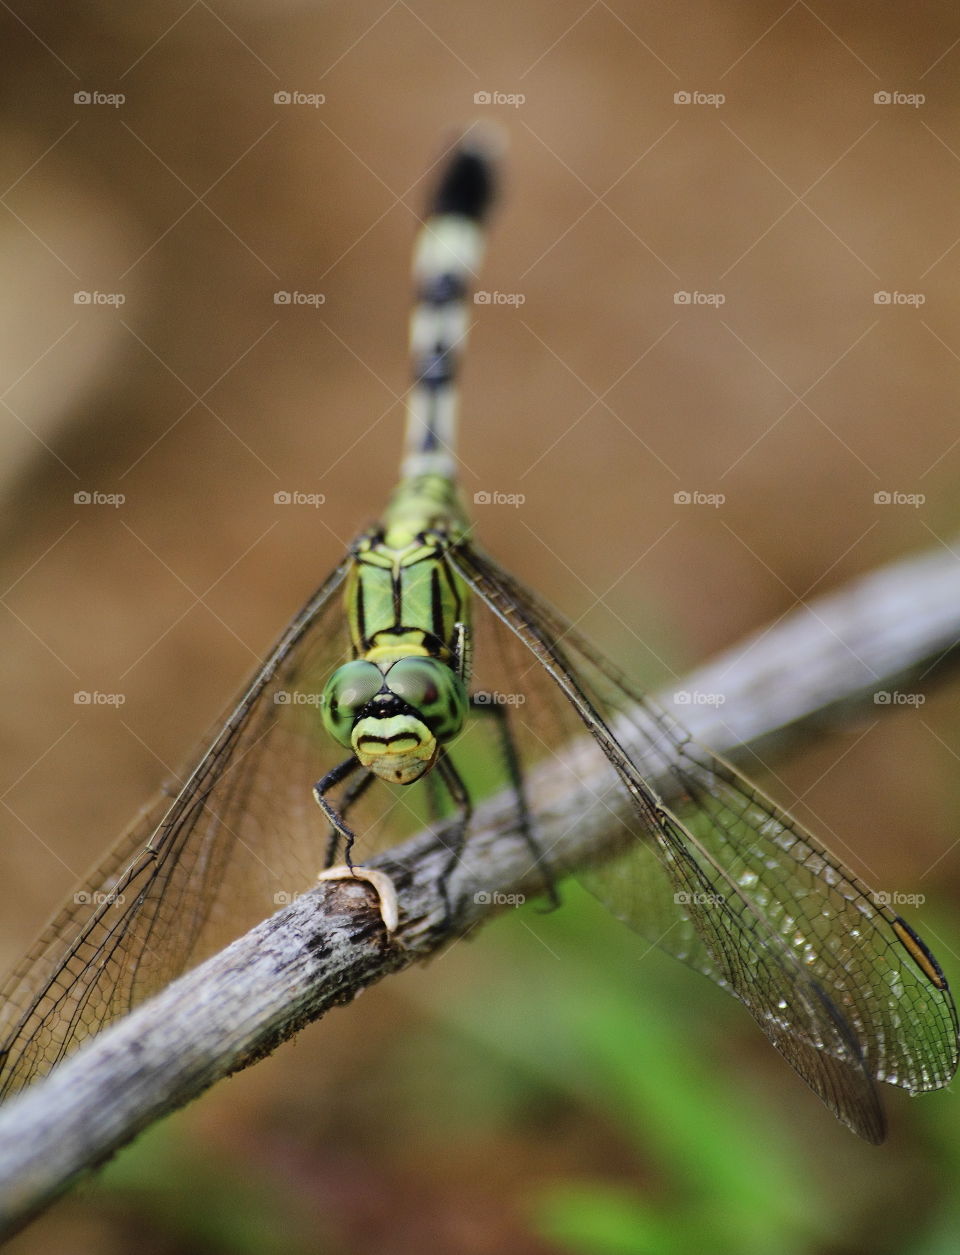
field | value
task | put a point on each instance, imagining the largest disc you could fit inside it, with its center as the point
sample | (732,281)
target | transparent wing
(719,876)
(199,866)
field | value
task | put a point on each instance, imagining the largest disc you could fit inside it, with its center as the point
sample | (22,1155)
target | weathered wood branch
(823,663)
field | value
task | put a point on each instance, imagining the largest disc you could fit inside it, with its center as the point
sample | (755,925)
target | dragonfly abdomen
(446,257)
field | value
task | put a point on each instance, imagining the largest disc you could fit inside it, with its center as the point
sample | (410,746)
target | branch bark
(821,664)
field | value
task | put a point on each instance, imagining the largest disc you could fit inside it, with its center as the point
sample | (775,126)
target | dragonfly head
(396,717)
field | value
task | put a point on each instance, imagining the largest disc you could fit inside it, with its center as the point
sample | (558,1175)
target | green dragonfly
(421,676)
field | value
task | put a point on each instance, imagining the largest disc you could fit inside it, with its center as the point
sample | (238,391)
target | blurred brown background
(796,198)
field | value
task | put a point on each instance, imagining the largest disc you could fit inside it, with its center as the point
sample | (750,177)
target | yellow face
(399,749)
(395,716)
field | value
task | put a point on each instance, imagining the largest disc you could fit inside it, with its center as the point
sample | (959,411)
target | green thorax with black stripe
(402,598)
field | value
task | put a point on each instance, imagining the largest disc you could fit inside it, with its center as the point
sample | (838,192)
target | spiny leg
(433,786)
(455,835)
(382,884)
(330,781)
(350,798)
(511,759)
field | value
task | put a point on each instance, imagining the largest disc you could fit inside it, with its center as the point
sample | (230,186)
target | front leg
(335,818)
(386,892)
(350,798)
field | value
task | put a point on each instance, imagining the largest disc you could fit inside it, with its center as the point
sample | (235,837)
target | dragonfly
(421,677)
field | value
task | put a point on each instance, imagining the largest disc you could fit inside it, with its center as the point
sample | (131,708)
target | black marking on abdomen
(442,289)
(435,369)
(467,186)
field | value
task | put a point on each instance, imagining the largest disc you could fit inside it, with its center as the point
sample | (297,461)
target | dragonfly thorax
(395,715)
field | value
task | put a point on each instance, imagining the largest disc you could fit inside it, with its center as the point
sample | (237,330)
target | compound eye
(416,681)
(348,690)
(431,689)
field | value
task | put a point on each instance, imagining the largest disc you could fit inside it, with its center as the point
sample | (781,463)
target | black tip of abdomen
(467,186)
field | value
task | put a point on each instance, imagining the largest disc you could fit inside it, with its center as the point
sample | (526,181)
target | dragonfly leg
(350,798)
(462,652)
(386,892)
(455,835)
(511,758)
(334,777)
(434,787)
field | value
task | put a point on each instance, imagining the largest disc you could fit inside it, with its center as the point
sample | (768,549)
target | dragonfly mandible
(369,705)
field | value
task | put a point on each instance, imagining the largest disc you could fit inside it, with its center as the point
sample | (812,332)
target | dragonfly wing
(838,982)
(198,867)
(635,889)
